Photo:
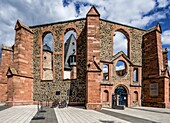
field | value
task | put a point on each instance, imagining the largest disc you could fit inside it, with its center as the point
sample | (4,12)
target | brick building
(32,71)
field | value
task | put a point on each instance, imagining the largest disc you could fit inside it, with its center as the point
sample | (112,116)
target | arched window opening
(105,72)
(121,68)
(135,75)
(105,96)
(135,96)
(120,43)
(47,57)
(70,55)
(48,40)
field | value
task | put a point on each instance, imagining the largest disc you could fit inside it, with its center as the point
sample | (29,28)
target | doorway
(121,94)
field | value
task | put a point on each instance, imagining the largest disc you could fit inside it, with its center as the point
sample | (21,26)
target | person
(67,103)
(59,105)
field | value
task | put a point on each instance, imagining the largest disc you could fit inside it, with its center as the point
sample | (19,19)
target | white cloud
(169,65)
(166,37)
(64,13)
(120,43)
(29,1)
(84,10)
(122,67)
(33,12)
(146,20)
(120,10)
(163,3)
(131,13)
(105,70)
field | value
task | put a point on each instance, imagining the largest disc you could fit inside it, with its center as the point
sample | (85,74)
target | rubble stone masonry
(21,70)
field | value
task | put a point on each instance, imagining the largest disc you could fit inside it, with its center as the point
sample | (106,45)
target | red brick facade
(21,67)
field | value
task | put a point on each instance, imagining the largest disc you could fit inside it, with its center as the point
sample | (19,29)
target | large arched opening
(70,69)
(47,56)
(120,42)
(121,95)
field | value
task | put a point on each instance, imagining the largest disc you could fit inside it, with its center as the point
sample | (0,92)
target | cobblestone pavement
(18,114)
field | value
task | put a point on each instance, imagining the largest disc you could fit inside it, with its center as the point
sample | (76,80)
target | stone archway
(121,95)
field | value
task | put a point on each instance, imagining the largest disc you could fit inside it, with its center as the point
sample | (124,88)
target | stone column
(153,70)
(20,79)
(93,89)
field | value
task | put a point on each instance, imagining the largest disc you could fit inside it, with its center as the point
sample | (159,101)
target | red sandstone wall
(103,96)
(134,101)
(93,98)
(7,55)
(3,92)
(19,90)
(23,52)
(19,84)
(152,67)
(150,54)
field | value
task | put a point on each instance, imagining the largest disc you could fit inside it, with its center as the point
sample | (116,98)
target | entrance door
(121,91)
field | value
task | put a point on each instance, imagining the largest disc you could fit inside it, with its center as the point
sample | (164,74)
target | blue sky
(137,13)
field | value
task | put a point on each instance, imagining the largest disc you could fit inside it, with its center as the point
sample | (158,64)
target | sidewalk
(18,114)
(49,116)
(24,114)
(152,114)
(80,115)
(153,109)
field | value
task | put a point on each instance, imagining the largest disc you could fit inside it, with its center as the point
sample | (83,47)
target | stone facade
(21,72)
(155,70)
(77,87)
(7,53)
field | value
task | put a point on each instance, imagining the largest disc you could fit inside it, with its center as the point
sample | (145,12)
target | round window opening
(121,69)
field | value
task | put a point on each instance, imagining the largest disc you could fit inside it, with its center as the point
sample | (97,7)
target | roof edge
(61,22)
(122,24)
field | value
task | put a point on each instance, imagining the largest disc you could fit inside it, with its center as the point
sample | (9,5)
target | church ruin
(82,68)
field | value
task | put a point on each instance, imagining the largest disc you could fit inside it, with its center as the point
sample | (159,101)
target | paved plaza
(18,114)
(79,115)
(26,114)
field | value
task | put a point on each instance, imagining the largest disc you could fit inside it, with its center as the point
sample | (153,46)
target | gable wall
(133,35)
(58,84)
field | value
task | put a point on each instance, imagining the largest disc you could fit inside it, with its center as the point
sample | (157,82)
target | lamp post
(38,116)
(48,96)
(41,100)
